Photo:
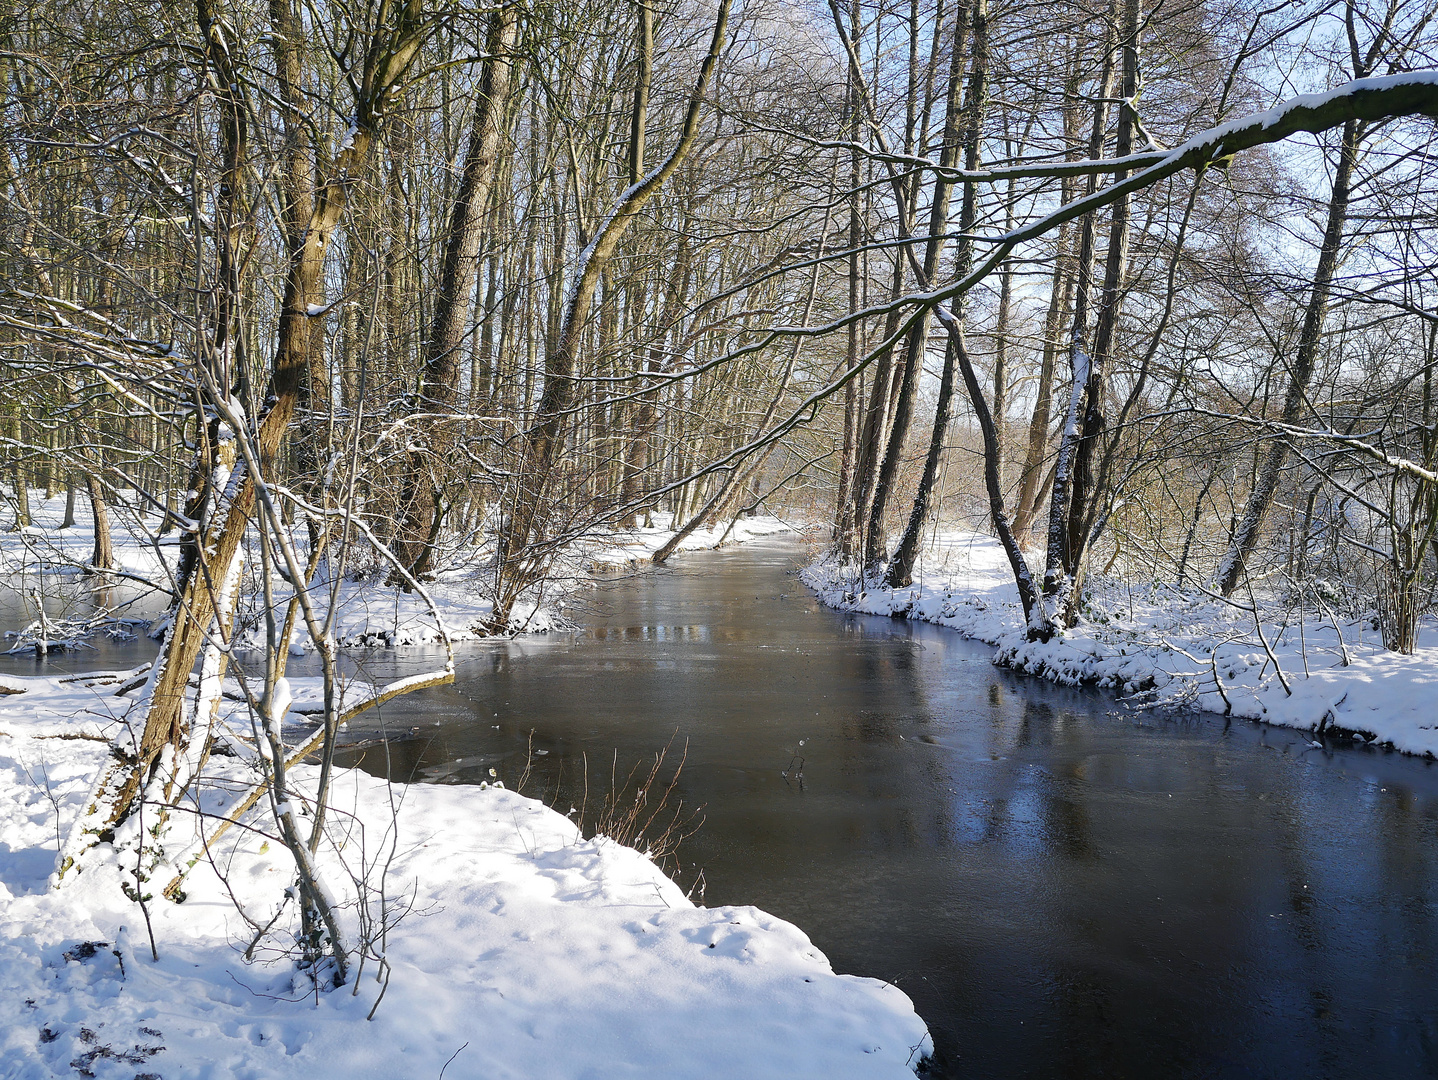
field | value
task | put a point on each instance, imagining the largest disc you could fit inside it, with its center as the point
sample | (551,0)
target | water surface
(68,598)
(1066,888)
(1063,886)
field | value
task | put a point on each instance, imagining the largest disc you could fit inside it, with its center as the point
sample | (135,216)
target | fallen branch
(386,693)
(105,678)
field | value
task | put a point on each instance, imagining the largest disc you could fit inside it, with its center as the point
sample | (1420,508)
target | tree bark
(1060,495)
(1270,469)
(875,546)
(901,569)
(68,522)
(443,352)
(102,556)
(845,510)
(1090,430)
(529,513)
(22,496)
(202,614)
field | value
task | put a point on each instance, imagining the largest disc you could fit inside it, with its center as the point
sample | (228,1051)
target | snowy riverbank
(1170,648)
(524,950)
(370,612)
(43,558)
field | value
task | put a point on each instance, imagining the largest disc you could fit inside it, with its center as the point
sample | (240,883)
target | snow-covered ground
(1165,647)
(368,611)
(43,544)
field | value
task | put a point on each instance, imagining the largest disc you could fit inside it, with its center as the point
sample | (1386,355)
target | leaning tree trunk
(901,568)
(164,755)
(541,448)
(1089,433)
(420,504)
(1270,469)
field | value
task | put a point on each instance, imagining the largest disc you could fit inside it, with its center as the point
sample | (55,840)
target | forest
(307,293)
(488,281)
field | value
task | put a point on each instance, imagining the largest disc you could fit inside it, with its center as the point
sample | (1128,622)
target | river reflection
(73,596)
(1064,887)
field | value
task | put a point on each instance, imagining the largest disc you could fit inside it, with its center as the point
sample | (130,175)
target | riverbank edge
(545,953)
(616,969)
(369,612)
(1376,698)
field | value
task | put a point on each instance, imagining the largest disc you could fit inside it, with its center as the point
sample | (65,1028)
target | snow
(369,612)
(1164,648)
(281,698)
(519,947)
(1271,117)
(635,547)
(44,546)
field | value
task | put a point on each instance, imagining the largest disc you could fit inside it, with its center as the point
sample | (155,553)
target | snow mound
(522,949)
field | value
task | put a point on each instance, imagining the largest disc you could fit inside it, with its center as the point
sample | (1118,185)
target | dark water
(1064,888)
(73,598)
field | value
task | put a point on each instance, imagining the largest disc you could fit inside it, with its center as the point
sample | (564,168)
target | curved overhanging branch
(1280,430)
(1371,100)
(555,401)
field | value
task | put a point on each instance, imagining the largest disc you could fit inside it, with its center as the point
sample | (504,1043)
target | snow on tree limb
(1362,446)
(1407,94)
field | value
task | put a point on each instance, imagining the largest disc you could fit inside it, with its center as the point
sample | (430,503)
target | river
(1065,887)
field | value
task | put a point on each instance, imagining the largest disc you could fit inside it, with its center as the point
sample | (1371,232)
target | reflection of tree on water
(89,623)
(104,597)
(1064,888)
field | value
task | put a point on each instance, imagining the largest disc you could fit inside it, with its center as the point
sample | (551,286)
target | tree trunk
(1060,497)
(102,557)
(202,612)
(901,569)
(22,496)
(68,522)
(1270,469)
(439,382)
(845,514)
(639,453)
(528,516)
(297,187)
(1029,598)
(875,540)
(1090,430)
(878,416)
